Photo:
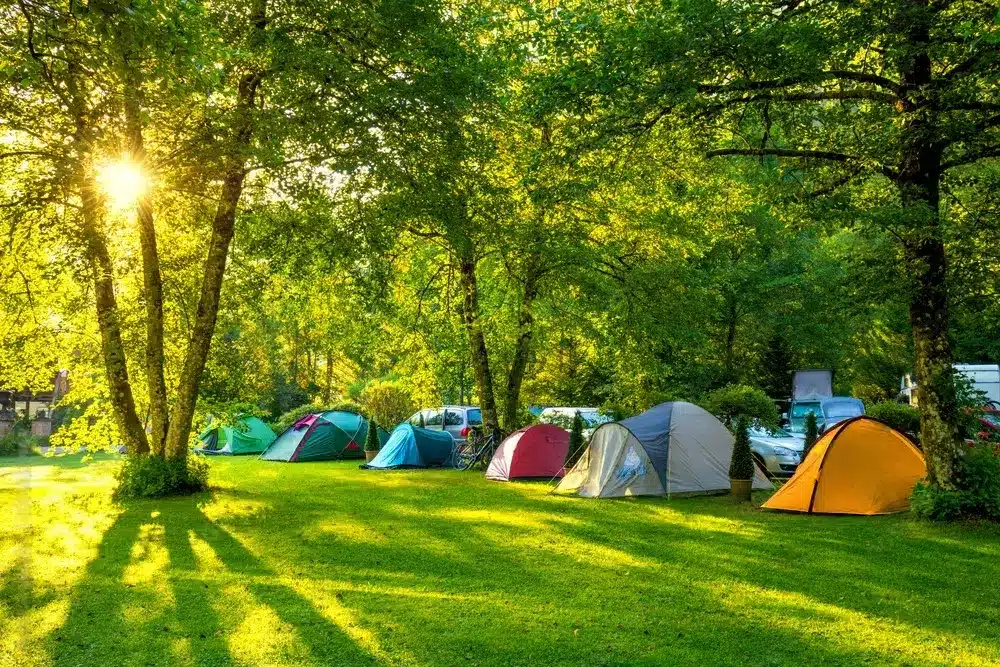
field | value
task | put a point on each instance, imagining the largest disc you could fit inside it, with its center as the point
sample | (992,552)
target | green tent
(323,437)
(250,436)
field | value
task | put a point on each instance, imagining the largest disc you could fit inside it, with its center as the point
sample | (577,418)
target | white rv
(984,377)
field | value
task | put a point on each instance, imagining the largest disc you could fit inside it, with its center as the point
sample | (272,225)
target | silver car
(776,450)
(455,419)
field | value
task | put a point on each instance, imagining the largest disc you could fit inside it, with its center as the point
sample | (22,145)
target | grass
(325,564)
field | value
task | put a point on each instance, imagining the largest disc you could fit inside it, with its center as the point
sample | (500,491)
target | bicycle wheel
(465,457)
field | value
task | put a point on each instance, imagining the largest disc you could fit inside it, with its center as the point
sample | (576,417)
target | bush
(742,466)
(811,434)
(977,495)
(287,420)
(576,441)
(902,417)
(10,445)
(739,400)
(143,476)
(371,439)
(387,402)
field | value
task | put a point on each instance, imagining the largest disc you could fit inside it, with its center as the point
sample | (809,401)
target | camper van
(812,391)
(984,377)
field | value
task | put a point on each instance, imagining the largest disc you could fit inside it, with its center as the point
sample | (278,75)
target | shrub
(287,420)
(371,440)
(144,476)
(9,445)
(576,441)
(421,422)
(387,402)
(900,416)
(741,466)
(738,400)
(811,433)
(977,495)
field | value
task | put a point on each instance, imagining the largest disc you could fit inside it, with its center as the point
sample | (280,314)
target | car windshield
(475,417)
(842,410)
(800,410)
(765,432)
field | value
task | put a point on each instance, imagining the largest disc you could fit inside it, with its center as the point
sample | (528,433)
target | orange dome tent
(860,466)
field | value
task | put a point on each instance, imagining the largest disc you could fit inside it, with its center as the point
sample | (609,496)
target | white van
(984,377)
(592,418)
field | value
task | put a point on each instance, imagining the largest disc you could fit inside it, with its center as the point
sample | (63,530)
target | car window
(475,417)
(432,418)
(841,410)
(764,432)
(452,418)
(800,410)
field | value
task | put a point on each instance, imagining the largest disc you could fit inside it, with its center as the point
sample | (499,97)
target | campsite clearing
(323,563)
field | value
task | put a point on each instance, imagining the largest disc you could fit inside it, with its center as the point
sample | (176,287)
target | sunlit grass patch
(326,564)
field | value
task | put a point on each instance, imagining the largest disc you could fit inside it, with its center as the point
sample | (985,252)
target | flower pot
(740,489)
(369,456)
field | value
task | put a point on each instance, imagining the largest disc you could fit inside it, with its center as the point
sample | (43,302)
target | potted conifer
(812,433)
(372,444)
(741,468)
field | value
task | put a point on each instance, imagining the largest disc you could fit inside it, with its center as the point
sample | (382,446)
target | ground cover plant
(323,563)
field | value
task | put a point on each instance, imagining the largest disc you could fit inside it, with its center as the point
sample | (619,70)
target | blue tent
(412,447)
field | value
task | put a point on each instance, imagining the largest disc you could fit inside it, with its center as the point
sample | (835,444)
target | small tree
(812,433)
(738,400)
(576,441)
(371,440)
(422,423)
(741,466)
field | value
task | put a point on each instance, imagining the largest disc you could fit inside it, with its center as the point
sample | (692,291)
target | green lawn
(325,564)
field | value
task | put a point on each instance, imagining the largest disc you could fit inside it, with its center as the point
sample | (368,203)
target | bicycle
(478,448)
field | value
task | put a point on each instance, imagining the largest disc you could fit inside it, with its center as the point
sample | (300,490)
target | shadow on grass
(149,599)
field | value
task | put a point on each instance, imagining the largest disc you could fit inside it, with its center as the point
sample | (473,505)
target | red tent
(535,451)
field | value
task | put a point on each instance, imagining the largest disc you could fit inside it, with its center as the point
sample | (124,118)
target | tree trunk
(208,308)
(152,282)
(732,321)
(522,349)
(115,365)
(477,343)
(327,393)
(919,184)
(223,227)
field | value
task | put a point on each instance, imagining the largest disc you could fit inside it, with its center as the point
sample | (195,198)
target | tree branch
(798,153)
(787,82)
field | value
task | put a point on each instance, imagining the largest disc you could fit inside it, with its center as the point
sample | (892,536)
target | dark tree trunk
(152,281)
(208,308)
(732,322)
(522,350)
(477,342)
(919,184)
(115,365)
(328,391)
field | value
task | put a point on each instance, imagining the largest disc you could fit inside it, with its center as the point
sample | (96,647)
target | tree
(811,433)
(898,92)
(576,441)
(371,437)
(741,466)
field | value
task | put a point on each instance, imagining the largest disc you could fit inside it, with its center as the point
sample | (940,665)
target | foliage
(155,476)
(577,444)
(734,401)
(742,465)
(288,419)
(977,495)
(387,402)
(902,417)
(420,421)
(811,433)
(372,443)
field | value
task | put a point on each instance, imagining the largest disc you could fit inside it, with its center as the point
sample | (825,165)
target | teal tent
(323,437)
(412,447)
(249,436)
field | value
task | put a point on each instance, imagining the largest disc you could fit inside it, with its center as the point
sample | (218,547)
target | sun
(123,182)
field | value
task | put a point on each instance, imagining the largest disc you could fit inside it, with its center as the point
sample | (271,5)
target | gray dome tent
(670,448)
